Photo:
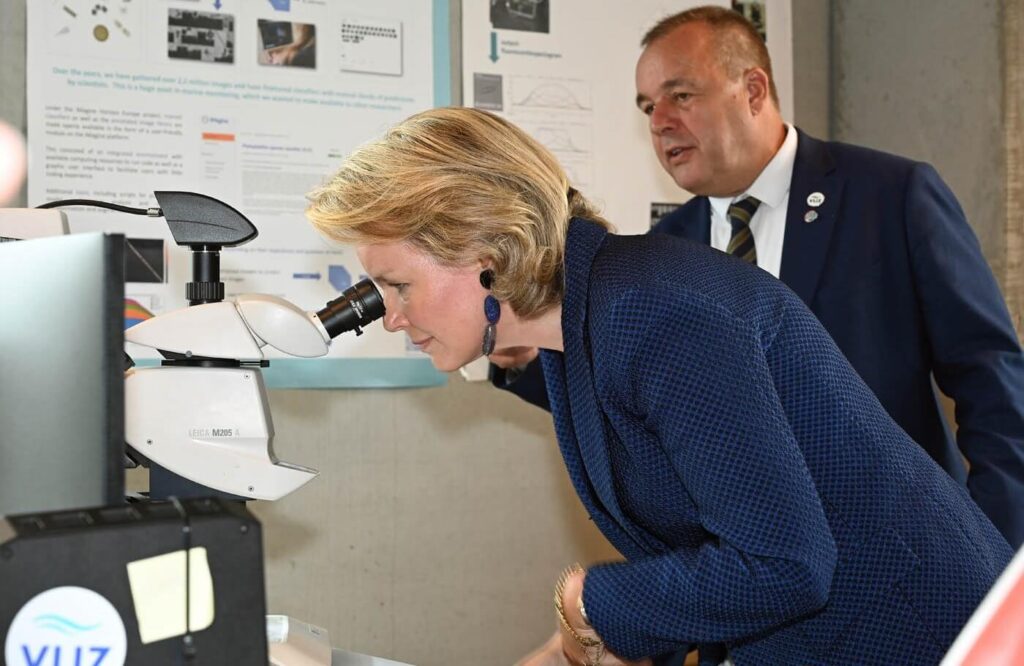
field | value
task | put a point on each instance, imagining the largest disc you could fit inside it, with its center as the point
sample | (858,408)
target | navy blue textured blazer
(893,271)
(761,495)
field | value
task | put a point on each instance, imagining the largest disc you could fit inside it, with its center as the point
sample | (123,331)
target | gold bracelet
(585,642)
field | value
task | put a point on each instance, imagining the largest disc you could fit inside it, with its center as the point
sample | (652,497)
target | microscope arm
(178,416)
(282,325)
(235,329)
(204,414)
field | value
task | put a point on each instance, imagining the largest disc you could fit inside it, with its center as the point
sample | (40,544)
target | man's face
(700,121)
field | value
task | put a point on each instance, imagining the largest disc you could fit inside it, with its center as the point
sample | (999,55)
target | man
(875,244)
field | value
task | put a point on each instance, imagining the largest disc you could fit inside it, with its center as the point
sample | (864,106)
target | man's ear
(758,89)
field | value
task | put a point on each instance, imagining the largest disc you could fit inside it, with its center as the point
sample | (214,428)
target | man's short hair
(738,45)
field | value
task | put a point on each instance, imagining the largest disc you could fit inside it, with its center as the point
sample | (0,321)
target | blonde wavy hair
(461,185)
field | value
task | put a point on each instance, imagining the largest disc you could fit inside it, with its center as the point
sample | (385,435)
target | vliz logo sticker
(66,626)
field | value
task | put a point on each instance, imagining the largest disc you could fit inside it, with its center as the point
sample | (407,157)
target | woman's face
(440,308)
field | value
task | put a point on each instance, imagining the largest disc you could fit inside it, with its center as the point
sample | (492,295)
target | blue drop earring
(492,310)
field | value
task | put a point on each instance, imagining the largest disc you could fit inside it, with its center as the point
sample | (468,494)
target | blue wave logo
(63,625)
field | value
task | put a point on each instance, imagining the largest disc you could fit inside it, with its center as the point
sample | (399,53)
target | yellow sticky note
(158,592)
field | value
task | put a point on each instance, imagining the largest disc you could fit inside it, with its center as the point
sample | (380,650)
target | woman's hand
(576,654)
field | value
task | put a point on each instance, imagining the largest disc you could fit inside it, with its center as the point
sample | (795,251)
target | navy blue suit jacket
(895,274)
(761,495)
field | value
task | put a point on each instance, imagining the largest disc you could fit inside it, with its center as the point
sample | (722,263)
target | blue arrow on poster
(494,46)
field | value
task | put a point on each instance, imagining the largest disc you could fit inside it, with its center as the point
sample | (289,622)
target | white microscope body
(203,414)
(179,415)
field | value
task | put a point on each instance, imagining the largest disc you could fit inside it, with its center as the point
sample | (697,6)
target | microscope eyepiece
(357,306)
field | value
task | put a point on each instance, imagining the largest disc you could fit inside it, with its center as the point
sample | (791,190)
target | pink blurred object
(995,633)
(12,162)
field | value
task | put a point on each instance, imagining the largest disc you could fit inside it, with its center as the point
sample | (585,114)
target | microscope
(179,581)
(200,420)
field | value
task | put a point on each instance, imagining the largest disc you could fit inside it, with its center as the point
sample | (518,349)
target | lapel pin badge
(815,199)
(810,216)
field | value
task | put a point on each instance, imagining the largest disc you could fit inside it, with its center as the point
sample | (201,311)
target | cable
(151,212)
(188,645)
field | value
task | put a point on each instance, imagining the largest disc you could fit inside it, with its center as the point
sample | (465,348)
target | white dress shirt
(768,225)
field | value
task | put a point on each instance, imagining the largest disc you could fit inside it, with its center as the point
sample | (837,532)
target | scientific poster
(563,70)
(252,102)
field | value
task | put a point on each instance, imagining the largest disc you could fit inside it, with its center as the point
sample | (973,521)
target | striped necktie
(742,242)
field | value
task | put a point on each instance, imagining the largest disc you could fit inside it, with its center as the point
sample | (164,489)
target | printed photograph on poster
(754,11)
(286,43)
(103,29)
(145,260)
(526,15)
(660,209)
(371,46)
(204,36)
(487,92)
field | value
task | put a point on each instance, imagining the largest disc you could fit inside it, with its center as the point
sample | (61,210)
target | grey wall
(811,66)
(439,524)
(12,68)
(924,79)
(12,62)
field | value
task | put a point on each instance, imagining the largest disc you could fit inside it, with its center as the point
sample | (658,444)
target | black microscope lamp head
(197,220)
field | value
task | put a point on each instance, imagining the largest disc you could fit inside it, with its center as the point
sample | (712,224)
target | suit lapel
(581,431)
(698,225)
(571,447)
(691,221)
(556,381)
(805,247)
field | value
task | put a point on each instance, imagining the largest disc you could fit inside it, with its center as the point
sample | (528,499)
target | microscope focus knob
(204,292)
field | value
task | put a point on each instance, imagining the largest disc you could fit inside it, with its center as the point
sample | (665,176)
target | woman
(765,502)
